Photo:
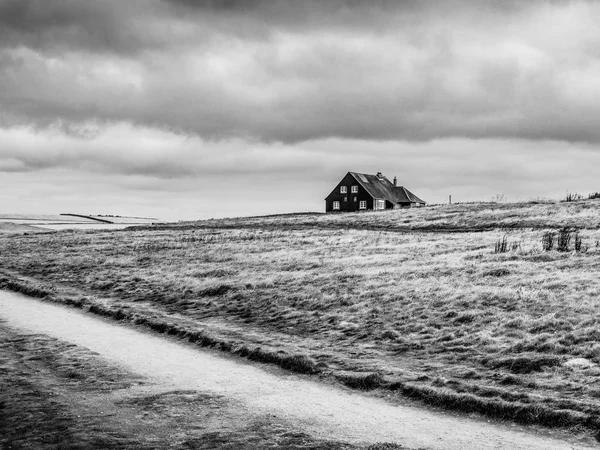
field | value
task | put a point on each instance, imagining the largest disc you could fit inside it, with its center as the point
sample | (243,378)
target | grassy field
(9,227)
(416,303)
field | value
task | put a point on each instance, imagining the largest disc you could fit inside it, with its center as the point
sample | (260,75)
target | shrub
(579,247)
(501,245)
(573,197)
(563,240)
(548,241)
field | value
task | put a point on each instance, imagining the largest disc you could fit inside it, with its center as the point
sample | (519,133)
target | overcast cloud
(256,90)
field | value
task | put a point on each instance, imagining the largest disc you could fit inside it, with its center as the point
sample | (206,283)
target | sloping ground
(128,220)
(84,217)
(43,219)
(116,219)
(48,219)
(435,316)
(9,227)
(283,401)
(459,217)
(20,223)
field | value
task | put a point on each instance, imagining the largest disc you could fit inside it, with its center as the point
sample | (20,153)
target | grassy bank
(428,313)
(458,217)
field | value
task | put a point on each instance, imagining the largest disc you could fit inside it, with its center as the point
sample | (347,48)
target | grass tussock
(386,446)
(566,240)
(295,363)
(364,382)
(32,290)
(525,364)
(532,413)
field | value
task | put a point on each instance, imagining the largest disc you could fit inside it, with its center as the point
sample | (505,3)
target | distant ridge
(87,217)
(126,217)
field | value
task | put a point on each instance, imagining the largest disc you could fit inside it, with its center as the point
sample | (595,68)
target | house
(361,192)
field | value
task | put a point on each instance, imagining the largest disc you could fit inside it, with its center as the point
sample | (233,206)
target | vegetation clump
(525,364)
(366,382)
(563,240)
(501,245)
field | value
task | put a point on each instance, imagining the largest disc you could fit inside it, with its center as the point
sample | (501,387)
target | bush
(563,240)
(501,245)
(548,241)
(578,244)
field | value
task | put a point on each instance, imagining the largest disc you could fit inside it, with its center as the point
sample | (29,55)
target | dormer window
(354,189)
(343,189)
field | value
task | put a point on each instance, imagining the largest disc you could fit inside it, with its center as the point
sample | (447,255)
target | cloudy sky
(183,109)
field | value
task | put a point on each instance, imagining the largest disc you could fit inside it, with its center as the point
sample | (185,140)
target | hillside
(457,217)
(10,227)
(416,302)
(22,223)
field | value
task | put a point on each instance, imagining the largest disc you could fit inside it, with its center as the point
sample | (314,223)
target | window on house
(362,204)
(380,204)
(345,199)
(336,205)
(343,189)
(354,189)
(355,199)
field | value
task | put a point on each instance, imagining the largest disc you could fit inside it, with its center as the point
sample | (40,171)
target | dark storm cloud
(306,70)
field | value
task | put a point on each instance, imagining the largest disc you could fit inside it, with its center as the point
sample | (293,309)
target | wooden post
(450,199)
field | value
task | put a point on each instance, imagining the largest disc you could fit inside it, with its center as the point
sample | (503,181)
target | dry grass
(437,316)
(9,227)
(456,217)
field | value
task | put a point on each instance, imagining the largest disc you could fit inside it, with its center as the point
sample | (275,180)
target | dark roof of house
(383,188)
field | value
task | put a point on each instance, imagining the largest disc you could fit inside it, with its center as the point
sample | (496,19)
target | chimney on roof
(379,175)
(395,181)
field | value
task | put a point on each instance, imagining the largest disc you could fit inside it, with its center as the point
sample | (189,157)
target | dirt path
(320,410)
